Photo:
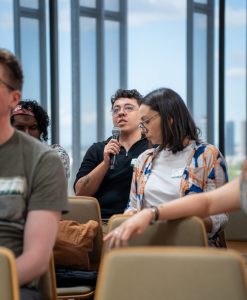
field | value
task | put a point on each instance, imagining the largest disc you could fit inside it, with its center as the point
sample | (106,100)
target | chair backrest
(183,232)
(9,286)
(171,273)
(236,227)
(82,209)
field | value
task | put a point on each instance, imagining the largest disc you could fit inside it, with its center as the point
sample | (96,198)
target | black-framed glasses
(7,85)
(128,108)
(143,124)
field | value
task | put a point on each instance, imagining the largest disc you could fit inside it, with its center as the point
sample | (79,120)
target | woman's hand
(135,225)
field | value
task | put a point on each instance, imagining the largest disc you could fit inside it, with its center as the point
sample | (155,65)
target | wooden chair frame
(9,258)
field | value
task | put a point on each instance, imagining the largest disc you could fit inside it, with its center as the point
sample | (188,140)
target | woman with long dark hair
(179,163)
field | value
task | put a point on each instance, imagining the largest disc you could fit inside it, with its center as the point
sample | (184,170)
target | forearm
(89,184)
(223,199)
(192,205)
(190,210)
(30,266)
(39,238)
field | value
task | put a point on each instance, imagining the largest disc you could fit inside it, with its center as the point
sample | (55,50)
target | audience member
(180,164)
(32,187)
(95,178)
(30,117)
(229,197)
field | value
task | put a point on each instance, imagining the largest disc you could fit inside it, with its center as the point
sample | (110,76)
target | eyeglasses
(128,108)
(143,124)
(7,85)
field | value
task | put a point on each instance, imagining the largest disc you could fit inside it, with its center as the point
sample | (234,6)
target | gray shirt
(31,178)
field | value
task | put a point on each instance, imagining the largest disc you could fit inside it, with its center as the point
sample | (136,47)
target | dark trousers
(29,294)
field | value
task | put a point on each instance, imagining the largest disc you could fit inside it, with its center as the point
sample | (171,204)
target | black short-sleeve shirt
(113,193)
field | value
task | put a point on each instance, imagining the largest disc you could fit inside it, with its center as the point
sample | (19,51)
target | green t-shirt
(31,178)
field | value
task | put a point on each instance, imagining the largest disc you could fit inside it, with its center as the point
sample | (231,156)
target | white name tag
(132,163)
(177,173)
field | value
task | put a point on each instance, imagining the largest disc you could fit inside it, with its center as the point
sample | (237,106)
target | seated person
(230,197)
(180,165)
(95,178)
(32,188)
(30,117)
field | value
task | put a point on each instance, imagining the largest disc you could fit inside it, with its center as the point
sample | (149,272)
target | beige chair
(9,286)
(236,233)
(47,283)
(82,209)
(182,232)
(10,289)
(171,273)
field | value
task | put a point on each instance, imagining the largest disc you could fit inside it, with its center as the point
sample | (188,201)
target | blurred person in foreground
(32,188)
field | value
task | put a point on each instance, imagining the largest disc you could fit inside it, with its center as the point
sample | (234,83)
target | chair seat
(74,290)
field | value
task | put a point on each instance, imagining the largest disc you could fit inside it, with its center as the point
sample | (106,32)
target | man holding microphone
(106,170)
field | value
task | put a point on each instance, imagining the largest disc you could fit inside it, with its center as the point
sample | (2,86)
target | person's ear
(16,96)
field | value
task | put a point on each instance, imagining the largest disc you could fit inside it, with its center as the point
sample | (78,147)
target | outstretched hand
(135,225)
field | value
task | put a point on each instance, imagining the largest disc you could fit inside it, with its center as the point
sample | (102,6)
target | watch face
(243,189)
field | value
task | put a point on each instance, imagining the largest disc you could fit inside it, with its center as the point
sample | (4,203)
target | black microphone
(115,136)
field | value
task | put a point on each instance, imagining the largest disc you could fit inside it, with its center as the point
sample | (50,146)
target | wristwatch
(156,213)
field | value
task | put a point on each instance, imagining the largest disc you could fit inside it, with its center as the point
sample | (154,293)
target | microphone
(115,135)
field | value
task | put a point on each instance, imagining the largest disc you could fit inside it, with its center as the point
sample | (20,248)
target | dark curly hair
(40,115)
(121,93)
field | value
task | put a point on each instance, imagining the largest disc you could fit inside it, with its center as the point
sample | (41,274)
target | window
(93,63)
(200,66)
(7,25)
(157,45)
(235,85)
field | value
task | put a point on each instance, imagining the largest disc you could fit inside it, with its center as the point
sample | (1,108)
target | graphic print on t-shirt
(12,204)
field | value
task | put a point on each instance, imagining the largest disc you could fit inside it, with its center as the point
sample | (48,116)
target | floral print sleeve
(142,170)
(64,158)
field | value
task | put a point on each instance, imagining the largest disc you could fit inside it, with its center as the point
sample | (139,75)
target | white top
(164,181)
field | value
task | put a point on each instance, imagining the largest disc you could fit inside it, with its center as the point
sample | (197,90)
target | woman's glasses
(144,123)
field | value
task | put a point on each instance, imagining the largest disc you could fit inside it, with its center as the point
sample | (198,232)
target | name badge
(177,173)
(133,161)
